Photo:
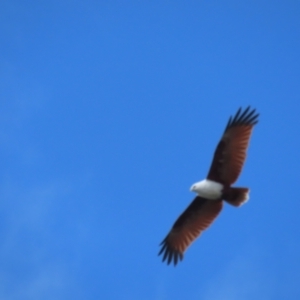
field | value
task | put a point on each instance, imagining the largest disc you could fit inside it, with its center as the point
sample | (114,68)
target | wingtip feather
(246,117)
(169,254)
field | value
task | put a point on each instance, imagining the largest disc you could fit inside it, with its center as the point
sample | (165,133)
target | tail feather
(236,196)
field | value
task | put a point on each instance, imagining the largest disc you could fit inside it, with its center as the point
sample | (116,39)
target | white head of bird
(208,189)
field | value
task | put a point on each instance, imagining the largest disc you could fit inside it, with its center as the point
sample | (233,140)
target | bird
(227,164)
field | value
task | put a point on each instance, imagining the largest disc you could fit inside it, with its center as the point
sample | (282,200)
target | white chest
(208,189)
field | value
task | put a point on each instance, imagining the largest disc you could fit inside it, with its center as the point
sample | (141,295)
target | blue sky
(109,111)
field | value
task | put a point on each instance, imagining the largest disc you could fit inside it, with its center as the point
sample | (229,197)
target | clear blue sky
(109,111)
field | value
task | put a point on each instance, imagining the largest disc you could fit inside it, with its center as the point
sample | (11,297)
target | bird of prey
(226,166)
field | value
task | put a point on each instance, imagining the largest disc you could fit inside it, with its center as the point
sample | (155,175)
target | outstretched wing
(196,218)
(231,151)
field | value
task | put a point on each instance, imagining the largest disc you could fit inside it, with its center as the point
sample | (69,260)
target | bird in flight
(225,169)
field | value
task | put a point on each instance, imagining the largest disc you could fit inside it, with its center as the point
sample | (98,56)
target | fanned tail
(236,196)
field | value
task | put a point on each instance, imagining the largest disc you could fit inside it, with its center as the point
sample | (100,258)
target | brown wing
(196,218)
(231,151)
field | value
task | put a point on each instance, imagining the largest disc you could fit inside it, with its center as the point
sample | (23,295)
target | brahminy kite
(226,166)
